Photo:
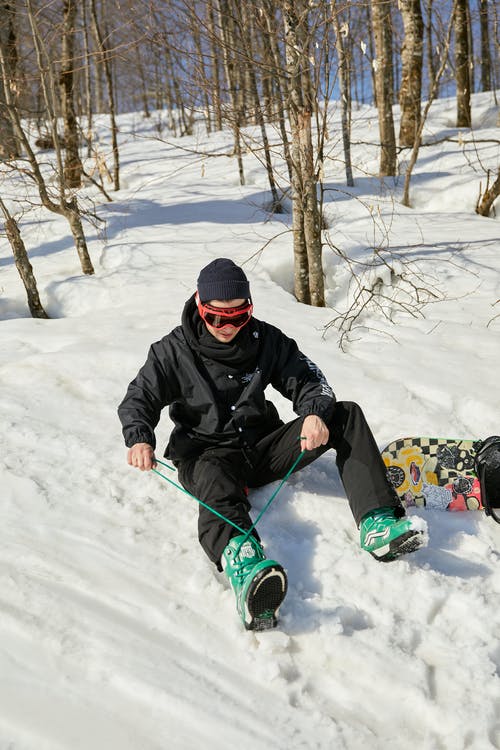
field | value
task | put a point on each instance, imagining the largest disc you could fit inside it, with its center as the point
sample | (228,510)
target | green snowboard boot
(259,584)
(387,537)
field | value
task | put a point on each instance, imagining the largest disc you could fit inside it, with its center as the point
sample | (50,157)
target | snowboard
(434,472)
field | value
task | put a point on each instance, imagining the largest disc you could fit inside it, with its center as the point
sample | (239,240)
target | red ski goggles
(218,317)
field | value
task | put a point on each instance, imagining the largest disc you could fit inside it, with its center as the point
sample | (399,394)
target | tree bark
(215,67)
(345,94)
(490,195)
(73,167)
(23,264)
(382,30)
(431,68)
(485,46)
(462,72)
(410,92)
(228,42)
(9,146)
(88,79)
(105,59)
(309,280)
(432,95)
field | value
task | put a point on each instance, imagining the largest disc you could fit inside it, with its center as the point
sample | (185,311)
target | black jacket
(219,399)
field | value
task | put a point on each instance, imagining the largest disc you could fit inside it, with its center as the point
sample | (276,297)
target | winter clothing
(215,391)
(226,435)
(387,536)
(259,584)
(221,475)
(223,280)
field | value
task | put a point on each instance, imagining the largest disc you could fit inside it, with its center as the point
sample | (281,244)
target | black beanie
(222,279)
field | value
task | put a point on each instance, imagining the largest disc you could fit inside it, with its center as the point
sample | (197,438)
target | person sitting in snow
(212,371)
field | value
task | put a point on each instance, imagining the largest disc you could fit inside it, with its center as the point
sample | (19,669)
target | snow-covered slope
(115,631)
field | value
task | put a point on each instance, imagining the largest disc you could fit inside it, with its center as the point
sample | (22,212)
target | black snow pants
(220,476)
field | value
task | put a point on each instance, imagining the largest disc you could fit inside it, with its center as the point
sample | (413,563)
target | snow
(115,631)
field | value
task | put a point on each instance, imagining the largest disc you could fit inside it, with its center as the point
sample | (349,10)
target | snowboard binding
(487,466)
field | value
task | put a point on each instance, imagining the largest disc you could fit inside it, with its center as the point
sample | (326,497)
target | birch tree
(306,221)
(462,69)
(105,60)
(382,31)
(410,92)
(485,46)
(73,166)
(61,203)
(341,31)
(9,147)
(23,265)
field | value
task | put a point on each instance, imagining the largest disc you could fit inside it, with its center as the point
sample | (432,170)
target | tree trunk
(105,59)
(431,68)
(88,79)
(309,280)
(201,71)
(410,92)
(489,197)
(312,218)
(9,146)
(215,66)
(382,30)
(253,91)
(23,264)
(345,94)
(62,206)
(228,44)
(485,46)
(72,214)
(462,64)
(73,166)
(432,96)
(277,66)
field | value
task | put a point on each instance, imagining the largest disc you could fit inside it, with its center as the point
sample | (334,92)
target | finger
(305,442)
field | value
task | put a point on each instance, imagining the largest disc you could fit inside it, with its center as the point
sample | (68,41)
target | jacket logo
(325,387)
(248,376)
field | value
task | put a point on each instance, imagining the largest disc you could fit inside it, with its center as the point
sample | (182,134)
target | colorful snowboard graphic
(434,472)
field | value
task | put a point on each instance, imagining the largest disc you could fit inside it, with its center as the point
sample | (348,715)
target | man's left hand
(314,433)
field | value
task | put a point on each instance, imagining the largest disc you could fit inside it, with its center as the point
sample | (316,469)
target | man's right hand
(142,456)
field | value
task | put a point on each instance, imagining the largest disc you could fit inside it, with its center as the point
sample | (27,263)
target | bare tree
(306,220)
(215,66)
(246,29)
(276,66)
(411,78)
(485,46)
(342,30)
(73,166)
(22,262)
(62,205)
(232,72)
(486,200)
(382,30)
(432,95)
(462,72)
(105,60)
(9,147)
(89,106)
(429,46)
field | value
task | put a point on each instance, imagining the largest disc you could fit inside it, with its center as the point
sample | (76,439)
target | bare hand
(314,433)
(142,456)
